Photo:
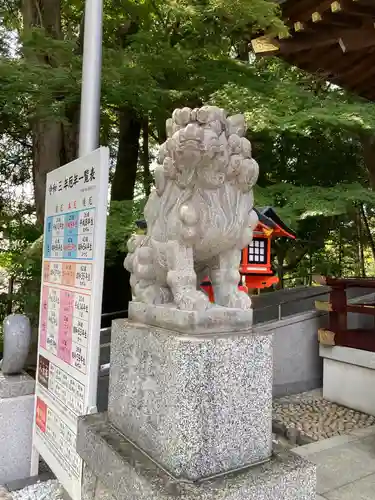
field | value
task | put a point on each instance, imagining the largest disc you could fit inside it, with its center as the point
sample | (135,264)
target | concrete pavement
(345,465)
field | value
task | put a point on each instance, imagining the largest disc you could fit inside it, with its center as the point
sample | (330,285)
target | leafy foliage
(157,55)
(120,225)
(294,203)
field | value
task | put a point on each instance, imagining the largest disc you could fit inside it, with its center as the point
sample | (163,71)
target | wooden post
(338,317)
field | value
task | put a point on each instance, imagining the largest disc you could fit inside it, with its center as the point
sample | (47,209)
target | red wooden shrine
(256,265)
(338,331)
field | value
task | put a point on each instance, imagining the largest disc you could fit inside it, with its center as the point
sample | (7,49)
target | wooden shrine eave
(332,39)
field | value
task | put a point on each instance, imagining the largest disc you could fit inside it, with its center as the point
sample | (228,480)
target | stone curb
(20,484)
(293,435)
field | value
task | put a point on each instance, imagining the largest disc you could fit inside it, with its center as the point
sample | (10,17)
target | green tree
(307,136)
(157,55)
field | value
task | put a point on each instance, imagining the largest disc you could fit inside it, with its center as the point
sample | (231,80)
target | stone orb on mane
(200,214)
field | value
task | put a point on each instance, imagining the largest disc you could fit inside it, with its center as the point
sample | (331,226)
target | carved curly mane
(205,170)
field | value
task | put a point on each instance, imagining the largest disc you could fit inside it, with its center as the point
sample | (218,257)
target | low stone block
(16,418)
(197,404)
(20,484)
(12,386)
(116,470)
(349,377)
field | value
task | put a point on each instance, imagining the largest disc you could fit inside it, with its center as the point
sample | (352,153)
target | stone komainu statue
(200,215)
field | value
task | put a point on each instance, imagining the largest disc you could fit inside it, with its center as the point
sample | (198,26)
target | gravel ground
(49,490)
(314,418)
(4,494)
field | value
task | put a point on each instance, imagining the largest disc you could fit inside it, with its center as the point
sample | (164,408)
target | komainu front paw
(156,294)
(193,300)
(237,300)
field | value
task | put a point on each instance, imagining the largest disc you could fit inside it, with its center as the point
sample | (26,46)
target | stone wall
(297,365)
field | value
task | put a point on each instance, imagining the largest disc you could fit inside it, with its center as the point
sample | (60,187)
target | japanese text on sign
(69,322)
(73,180)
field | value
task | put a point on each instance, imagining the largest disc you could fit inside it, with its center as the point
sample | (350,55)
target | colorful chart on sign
(70,310)
(70,235)
(65,325)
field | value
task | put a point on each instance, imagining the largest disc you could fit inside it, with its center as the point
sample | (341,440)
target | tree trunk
(361,257)
(368,147)
(116,287)
(280,257)
(54,144)
(361,246)
(127,156)
(145,157)
(368,230)
(47,141)
(9,308)
(340,251)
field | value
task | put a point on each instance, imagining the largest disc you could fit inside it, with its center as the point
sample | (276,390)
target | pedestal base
(197,405)
(116,470)
(16,419)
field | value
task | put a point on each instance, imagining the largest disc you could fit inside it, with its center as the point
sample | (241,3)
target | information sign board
(70,311)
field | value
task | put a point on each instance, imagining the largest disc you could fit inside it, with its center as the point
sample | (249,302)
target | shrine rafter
(332,39)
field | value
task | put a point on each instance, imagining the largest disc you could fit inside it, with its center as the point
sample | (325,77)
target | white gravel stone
(49,490)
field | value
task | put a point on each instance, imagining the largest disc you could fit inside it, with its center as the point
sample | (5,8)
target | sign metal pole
(91,77)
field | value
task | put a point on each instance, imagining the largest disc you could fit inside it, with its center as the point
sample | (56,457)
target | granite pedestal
(16,419)
(117,470)
(197,404)
(189,415)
